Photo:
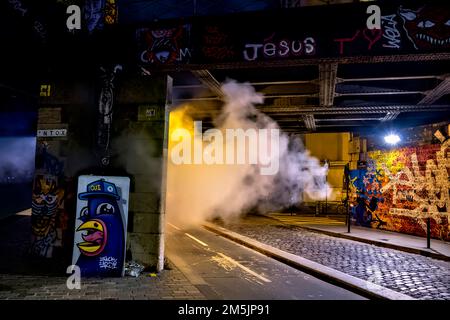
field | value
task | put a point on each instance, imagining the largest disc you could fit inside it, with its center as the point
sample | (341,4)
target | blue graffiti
(94,14)
(47,162)
(103,239)
(367,184)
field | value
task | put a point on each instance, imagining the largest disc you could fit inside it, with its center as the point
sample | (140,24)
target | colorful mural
(101,222)
(47,206)
(421,28)
(365,185)
(400,189)
(427,27)
(165,45)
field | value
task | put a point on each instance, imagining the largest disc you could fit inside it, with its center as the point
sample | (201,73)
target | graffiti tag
(270,48)
(390,32)
(163,46)
(107,262)
(17,5)
(216,44)
(371,36)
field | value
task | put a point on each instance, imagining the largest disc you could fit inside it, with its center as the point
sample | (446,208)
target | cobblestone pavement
(417,276)
(46,281)
(169,284)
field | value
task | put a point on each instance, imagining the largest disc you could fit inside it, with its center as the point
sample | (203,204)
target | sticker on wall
(101,224)
(52,133)
(45,90)
(149,113)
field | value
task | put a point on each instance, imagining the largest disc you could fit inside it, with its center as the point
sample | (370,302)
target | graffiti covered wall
(400,189)
(298,34)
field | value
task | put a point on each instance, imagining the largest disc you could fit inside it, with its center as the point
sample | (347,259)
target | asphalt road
(222,269)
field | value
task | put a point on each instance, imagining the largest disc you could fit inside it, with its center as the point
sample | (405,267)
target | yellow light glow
(179,119)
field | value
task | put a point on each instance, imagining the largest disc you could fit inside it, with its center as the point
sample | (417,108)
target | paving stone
(415,275)
(171,284)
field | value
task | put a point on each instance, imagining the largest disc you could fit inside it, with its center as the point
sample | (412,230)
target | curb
(422,252)
(15,216)
(9,219)
(365,288)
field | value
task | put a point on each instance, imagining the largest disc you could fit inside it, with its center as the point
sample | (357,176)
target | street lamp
(392,139)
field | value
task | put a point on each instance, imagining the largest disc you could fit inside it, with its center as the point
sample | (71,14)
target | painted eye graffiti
(84,212)
(425,24)
(105,208)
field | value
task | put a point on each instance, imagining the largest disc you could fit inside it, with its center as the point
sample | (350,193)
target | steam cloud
(196,193)
(17,159)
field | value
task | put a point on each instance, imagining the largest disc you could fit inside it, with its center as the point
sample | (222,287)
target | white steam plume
(199,192)
(17,159)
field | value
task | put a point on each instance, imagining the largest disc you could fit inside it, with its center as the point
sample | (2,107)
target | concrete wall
(333,147)
(330,146)
(137,142)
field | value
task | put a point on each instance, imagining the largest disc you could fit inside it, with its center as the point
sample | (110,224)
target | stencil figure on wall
(105,113)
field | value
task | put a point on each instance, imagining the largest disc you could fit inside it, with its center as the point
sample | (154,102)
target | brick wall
(403,187)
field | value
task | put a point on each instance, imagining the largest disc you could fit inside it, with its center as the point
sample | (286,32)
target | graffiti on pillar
(46,201)
(105,113)
(405,187)
(94,14)
(427,27)
(111,16)
(47,206)
(164,46)
(100,228)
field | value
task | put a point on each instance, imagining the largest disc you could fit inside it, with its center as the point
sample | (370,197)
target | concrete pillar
(137,151)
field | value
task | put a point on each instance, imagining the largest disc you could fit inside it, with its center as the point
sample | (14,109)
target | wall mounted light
(392,139)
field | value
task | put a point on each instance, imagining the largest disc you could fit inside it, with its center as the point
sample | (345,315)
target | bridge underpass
(339,96)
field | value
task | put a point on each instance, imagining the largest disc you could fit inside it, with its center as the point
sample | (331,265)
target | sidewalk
(22,278)
(167,285)
(388,239)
